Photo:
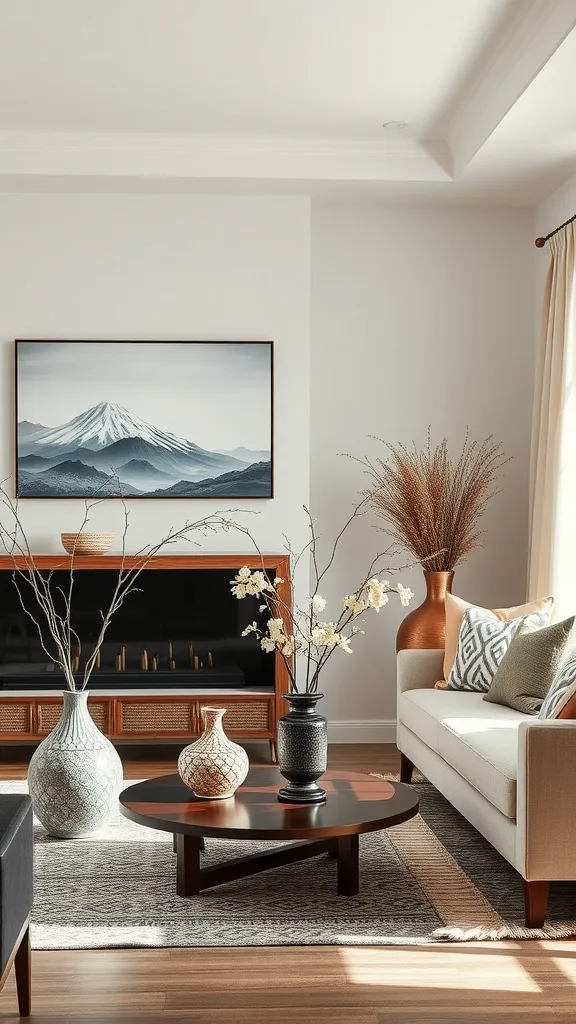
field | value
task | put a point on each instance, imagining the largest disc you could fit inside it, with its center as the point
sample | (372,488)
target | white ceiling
(534,147)
(312,68)
(289,95)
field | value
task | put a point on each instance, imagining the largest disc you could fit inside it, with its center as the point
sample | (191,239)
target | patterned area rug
(431,879)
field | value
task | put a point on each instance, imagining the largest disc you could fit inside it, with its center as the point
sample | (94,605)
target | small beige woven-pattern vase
(213,766)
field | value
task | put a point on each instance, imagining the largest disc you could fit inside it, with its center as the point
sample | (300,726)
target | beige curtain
(552,558)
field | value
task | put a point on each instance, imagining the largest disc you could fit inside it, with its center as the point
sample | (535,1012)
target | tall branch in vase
(39,593)
(431,503)
(303,635)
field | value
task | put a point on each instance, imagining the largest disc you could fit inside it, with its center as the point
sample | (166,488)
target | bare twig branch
(46,594)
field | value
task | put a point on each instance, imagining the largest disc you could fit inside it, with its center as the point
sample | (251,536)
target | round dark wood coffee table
(355,803)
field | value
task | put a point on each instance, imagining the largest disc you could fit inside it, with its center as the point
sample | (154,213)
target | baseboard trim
(363,731)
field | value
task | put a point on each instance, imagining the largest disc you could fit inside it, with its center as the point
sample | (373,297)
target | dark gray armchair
(16,893)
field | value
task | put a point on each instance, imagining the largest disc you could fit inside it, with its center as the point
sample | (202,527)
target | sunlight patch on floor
(413,968)
(559,945)
(74,937)
(567,966)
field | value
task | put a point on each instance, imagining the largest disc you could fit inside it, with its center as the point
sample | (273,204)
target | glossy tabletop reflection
(355,803)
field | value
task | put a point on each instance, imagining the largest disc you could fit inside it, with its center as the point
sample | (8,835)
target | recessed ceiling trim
(87,153)
(533,33)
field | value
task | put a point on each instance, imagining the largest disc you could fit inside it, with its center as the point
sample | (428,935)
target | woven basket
(87,543)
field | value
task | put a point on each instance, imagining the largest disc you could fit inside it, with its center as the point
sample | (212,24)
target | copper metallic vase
(425,626)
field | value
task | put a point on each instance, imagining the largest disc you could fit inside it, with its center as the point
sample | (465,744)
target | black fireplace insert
(181,629)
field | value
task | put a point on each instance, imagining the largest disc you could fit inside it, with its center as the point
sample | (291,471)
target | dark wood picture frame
(23,491)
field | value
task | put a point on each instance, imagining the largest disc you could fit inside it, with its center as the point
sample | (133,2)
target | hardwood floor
(480,983)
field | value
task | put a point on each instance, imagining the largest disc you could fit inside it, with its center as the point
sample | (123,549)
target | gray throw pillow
(527,670)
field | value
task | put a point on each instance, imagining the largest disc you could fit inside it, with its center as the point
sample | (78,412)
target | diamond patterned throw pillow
(482,643)
(561,692)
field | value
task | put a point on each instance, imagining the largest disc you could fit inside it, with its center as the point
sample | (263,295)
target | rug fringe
(495,927)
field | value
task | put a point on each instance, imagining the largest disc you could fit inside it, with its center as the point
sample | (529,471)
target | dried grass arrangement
(430,503)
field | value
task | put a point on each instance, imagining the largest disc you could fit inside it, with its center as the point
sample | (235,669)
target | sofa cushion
(455,608)
(419,710)
(482,643)
(560,701)
(529,667)
(479,740)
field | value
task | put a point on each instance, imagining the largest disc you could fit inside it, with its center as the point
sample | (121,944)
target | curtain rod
(541,242)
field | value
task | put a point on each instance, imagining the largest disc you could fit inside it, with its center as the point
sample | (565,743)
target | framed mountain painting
(144,419)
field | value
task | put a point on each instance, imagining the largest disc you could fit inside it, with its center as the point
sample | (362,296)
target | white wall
(164,267)
(550,214)
(557,208)
(419,316)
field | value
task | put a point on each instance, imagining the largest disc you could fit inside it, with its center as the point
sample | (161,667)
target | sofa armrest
(546,823)
(418,669)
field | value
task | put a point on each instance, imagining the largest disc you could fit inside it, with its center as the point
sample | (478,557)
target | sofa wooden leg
(536,902)
(406,768)
(22,968)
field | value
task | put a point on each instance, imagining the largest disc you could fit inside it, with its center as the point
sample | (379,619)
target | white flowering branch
(300,634)
(257,584)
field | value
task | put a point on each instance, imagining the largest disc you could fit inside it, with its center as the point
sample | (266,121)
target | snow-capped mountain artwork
(102,425)
(247,456)
(25,428)
(109,446)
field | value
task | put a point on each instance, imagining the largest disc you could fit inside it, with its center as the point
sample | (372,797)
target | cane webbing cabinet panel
(141,717)
(15,718)
(47,714)
(152,715)
(247,716)
(182,716)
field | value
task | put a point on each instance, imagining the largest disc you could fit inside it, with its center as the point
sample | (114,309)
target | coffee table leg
(175,845)
(187,865)
(348,866)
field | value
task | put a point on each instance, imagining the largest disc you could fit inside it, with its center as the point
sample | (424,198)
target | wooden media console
(150,711)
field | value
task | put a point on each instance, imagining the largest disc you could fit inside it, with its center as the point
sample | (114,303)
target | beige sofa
(513,776)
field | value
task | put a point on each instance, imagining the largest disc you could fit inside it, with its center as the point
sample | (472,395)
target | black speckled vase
(302,749)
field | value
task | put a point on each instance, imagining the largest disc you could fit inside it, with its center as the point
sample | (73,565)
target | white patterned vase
(75,775)
(213,766)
